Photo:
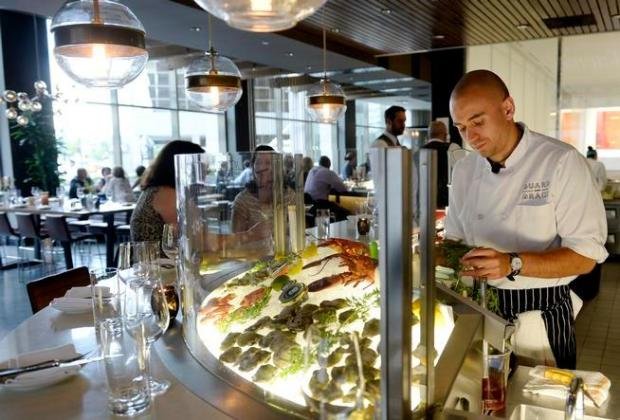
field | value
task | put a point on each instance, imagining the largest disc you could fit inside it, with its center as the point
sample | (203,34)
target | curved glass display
(277,312)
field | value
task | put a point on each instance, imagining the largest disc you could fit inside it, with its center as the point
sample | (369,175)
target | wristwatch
(516,264)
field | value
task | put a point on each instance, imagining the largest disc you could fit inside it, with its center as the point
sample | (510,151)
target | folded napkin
(69,304)
(86,292)
(554,382)
(45,376)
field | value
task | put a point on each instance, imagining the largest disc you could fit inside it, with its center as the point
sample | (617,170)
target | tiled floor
(598,328)
(598,324)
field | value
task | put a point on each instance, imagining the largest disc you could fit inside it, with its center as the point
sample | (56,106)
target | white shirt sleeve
(452,223)
(580,214)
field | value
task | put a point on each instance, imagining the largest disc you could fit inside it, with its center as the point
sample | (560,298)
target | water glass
(170,240)
(125,371)
(107,298)
(322,221)
(494,382)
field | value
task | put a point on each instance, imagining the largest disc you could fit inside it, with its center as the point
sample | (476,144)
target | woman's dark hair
(251,186)
(118,172)
(161,172)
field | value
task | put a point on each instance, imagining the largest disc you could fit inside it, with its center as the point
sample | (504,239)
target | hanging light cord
(211,49)
(324,54)
(96,12)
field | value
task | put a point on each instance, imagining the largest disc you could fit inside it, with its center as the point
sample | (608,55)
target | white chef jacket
(544,198)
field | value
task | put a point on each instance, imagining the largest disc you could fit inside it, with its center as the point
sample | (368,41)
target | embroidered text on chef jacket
(544,198)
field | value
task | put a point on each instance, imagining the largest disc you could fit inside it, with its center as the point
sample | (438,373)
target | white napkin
(44,376)
(596,385)
(86,292)
(69,304)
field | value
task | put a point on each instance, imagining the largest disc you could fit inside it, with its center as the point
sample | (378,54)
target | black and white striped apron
(557,313)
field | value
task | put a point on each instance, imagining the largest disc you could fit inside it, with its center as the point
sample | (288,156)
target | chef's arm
(560,262)
(492,264)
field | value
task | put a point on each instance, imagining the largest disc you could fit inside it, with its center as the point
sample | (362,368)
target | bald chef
(529,205)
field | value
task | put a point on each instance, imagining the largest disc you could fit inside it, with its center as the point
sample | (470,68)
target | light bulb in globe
(40,86)
(99,44)
(25,105)
(261,15)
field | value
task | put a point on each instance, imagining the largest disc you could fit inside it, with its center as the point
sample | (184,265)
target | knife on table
(6,374)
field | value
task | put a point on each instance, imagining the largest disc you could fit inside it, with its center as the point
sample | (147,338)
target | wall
(529,69)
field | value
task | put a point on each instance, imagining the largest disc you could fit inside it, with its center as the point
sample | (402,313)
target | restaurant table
(84,395)
(107,210)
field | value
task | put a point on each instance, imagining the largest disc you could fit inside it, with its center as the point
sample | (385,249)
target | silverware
(7,374)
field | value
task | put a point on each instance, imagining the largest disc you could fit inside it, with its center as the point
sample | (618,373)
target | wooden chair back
(43,291)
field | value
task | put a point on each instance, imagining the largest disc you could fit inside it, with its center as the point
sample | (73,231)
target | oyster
(309,308)
(368,357)
(284,356)
(248,339)
(231,355)
(334,303)
(324,316)
(348,316)
(274,338)
(264,322)
(335,356)
(264,373)
(252,357)
(371,328)
(229,341)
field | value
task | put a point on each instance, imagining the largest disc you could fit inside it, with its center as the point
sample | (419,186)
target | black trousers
(557,313)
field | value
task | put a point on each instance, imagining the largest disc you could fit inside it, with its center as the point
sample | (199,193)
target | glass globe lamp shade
(213,82)
(261,15)
(99,44)
(326,101)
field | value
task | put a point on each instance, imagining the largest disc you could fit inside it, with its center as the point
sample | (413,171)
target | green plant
(36,150)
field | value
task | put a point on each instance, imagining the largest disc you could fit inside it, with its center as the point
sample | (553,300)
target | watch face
(516,263)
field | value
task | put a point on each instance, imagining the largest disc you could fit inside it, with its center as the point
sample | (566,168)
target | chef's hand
(486,262)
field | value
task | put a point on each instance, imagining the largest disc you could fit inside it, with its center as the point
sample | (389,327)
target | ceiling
(357,36)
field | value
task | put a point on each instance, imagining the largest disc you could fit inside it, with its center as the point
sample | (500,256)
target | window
(129,126)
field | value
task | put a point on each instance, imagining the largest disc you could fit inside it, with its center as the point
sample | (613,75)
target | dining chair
(42,292)
(29,227)
(7,232)
(58,230)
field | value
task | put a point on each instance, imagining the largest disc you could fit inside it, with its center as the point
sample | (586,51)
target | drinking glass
(170,241)
(494,381)
(125,370)
(79,192)
(106,297)
(146,313)
(322,221)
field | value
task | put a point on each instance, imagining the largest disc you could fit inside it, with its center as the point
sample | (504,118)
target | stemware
(170,241)
(146,312)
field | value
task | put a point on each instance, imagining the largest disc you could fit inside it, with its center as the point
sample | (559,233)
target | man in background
(395,120)
(321,180)
(81,180)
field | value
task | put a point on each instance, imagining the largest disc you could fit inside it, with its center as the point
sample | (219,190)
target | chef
(529,205)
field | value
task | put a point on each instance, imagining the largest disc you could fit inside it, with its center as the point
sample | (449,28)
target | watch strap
(513,273)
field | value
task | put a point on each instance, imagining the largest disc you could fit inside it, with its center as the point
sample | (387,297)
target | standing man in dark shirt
(438,133)
(395,119)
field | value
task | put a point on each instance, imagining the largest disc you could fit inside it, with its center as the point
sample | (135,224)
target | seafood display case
(300,323)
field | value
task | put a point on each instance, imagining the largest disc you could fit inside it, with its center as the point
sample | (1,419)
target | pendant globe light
(213,82)
(99,43)
(261,15)
(326,100)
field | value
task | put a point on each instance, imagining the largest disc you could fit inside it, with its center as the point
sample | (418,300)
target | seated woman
(157,203)
(252,209)
(117,188)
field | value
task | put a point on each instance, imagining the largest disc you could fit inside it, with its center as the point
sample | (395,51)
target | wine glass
(79,192)
(170,241)
(146,314)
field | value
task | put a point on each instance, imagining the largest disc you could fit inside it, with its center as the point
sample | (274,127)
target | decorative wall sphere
(261,15)
(11,113)
(40,85)
(23,120)
(36,106)
(9,96)
(22,96)
(25,105)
